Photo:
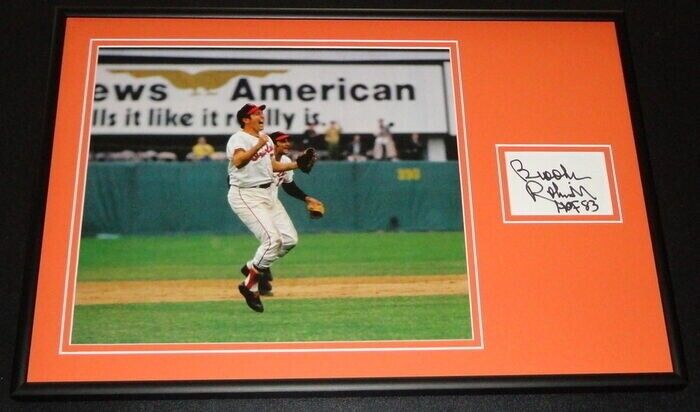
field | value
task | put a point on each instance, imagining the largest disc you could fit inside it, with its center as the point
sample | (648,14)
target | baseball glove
(316,209)
(307,160)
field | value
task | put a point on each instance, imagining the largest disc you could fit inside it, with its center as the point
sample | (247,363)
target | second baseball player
(285,179)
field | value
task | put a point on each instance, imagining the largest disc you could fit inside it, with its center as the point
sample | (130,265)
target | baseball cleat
(251,298)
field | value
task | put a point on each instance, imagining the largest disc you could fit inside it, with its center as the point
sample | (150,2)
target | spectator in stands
(332,138)
(202,150)
(309,138)
(356,152)
(384,147)
(415,148)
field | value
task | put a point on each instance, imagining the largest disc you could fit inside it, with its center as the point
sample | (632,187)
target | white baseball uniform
(252,197)
(283,177)
(282,220)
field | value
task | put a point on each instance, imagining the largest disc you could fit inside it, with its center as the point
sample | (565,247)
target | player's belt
(262,186)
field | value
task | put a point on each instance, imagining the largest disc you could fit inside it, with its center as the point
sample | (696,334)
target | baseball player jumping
(252,196)
(285,179)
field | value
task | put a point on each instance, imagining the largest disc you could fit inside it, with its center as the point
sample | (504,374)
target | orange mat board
(548,296)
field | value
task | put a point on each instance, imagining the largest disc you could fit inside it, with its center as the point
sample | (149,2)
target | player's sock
(251,281)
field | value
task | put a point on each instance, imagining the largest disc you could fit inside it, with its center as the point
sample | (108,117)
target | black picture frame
(24,390)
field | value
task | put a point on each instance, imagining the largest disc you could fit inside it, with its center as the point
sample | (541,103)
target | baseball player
(285,179)
(252,197)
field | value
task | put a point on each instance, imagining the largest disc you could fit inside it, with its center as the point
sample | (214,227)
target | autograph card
(564,183)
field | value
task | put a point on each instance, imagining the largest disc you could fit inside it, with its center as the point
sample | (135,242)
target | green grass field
(437,316)
(296,320)
(211,257)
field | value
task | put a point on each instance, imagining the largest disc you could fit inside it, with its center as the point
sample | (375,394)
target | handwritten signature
(555,185)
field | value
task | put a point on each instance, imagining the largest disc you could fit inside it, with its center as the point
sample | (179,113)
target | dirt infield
(93,293)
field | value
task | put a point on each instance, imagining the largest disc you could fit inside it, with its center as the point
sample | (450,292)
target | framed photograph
(478,213)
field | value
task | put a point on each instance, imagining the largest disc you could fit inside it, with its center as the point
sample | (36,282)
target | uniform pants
(264,215)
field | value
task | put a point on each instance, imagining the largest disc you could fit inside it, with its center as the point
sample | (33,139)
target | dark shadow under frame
(21,389)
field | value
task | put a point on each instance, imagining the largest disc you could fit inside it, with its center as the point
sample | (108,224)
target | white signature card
(557,183)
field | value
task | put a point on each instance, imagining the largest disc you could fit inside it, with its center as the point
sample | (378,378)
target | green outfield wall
(183,197)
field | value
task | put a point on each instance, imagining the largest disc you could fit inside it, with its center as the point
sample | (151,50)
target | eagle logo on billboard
(208,80)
